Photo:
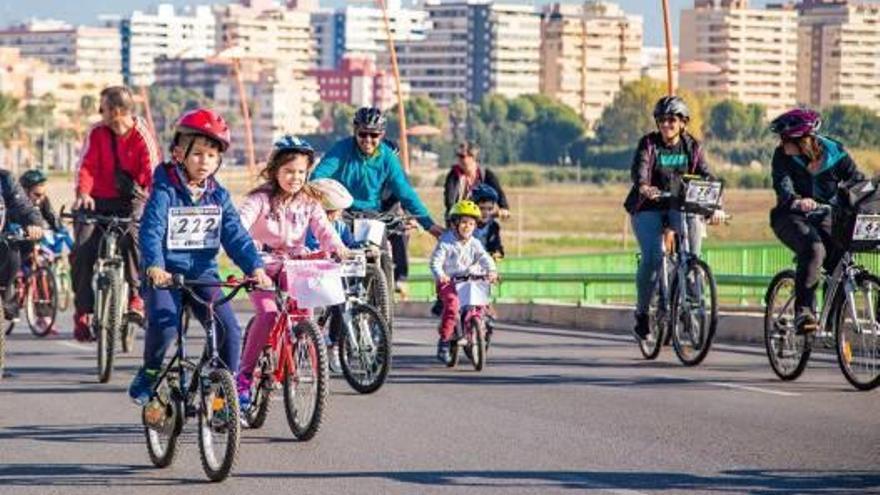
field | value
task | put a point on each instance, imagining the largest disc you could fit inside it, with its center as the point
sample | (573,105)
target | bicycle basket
(857,218)
(314,283)
(473,293)
(369,231)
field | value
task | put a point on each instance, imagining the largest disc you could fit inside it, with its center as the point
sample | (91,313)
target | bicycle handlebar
(88,217)
(188,285)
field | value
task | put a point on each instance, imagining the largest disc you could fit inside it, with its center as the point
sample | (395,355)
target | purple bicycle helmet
(796,123)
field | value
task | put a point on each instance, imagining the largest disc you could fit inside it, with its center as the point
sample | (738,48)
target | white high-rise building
(588,52)
(269,33)
(753,51)
(147,36)
(90,50)
(839,53)
(359,28)
(473,48)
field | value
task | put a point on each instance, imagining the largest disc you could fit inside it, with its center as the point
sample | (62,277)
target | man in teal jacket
(365,165)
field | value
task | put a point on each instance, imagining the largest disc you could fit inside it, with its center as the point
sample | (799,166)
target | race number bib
(703,193)
(867,228)
(194,227)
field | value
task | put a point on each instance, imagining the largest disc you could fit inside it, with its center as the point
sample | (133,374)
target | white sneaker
(333,359)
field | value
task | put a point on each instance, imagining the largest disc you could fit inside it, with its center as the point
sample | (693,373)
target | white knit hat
(336,196)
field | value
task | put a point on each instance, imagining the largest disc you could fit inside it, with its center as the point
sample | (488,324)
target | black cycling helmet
(484,192)
(672,105)
(32,178)
(370,119)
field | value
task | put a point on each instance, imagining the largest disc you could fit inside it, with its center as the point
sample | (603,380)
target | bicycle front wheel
(857,333)
(478,346)
(62,284)
(694,313)
(219,424)
(163,421)
(366,360)
(41,302)
(306,381)
(379,293)
(787,351)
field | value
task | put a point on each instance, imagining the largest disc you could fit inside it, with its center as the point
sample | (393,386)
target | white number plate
(194,227)
(355,267)
(703,193)
(867,228)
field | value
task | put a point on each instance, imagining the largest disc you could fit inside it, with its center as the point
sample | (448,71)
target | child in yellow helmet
(457,253)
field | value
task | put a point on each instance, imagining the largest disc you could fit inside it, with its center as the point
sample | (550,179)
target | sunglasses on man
(367,134)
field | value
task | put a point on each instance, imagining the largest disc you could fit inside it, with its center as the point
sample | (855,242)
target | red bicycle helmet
(206,123)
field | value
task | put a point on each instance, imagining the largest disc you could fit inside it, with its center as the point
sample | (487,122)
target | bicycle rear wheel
(787,351)
(163,421)
(366,361)
(62,284)
(694,313)
(857,334)
(261,386)
(41,302)
(657,322)
(219,424)
(306,381)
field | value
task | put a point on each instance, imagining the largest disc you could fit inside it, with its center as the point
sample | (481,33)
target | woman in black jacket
(807,170)
(466,175)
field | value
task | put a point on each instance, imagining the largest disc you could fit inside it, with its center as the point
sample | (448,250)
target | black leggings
(813,246)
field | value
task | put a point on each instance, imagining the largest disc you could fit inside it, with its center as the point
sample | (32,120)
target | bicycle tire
(700,343)
(478,349)
(224,419)
(379,295)
(19,295)
(261,388)
(106,321)
(454,352)
(658,320)
(308,348)
(787,351)
(390,284)
(41,302)
(870,340)
(379,361)
(65,292)
(2,346)
(162,444)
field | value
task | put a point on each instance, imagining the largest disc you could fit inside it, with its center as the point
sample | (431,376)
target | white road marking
(74,345)
(755,389)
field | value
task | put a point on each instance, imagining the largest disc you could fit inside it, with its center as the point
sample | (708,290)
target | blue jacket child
(181,232)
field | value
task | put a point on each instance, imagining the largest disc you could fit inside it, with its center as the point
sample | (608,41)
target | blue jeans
(648,228)
(163,316)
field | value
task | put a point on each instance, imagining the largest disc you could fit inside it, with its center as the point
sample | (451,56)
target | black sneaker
(437,308)
(642,326)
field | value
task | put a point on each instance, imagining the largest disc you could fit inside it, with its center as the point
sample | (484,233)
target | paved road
(556,411)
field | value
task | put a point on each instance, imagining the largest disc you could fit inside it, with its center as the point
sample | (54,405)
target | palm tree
(10,117)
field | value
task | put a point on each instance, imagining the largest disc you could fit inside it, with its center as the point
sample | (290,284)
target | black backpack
(853,199)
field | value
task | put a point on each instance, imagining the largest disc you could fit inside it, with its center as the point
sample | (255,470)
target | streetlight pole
(246,114)
(401,112)
(670,89)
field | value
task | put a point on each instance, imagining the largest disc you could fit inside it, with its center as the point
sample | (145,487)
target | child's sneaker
(243,384)
(437,308)
(141,387)
(443,352)
(333,359)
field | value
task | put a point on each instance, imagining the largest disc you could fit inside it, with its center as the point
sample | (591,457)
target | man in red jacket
(114,174)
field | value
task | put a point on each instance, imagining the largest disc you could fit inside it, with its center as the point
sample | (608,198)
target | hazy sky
(86,11)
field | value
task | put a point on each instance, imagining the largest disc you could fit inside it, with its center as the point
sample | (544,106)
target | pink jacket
(286,230)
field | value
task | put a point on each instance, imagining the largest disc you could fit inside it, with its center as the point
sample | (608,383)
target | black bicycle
(203,388)
(112,291)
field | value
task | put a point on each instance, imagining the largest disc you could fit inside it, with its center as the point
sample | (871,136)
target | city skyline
(87,11)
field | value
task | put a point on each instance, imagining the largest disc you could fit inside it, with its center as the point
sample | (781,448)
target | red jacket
(138,155)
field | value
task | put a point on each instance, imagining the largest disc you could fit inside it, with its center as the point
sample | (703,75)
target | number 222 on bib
(194,227)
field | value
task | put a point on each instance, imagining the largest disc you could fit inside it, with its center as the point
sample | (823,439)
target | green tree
(10,118)
(167,104)
(856,127)
(731,120)
(458,114)
(551,133)
(420,110)
(630,115)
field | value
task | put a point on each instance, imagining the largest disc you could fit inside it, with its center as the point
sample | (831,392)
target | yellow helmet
(465,208)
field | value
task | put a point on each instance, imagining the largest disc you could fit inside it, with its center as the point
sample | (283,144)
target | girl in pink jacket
(278,216)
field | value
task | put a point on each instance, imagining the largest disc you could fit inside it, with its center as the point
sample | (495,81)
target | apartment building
(267,32)
(588,52)
(359,28)
(357,82)
(754,51)
(839,53)
(147,36)
(473,48)
(90,50)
